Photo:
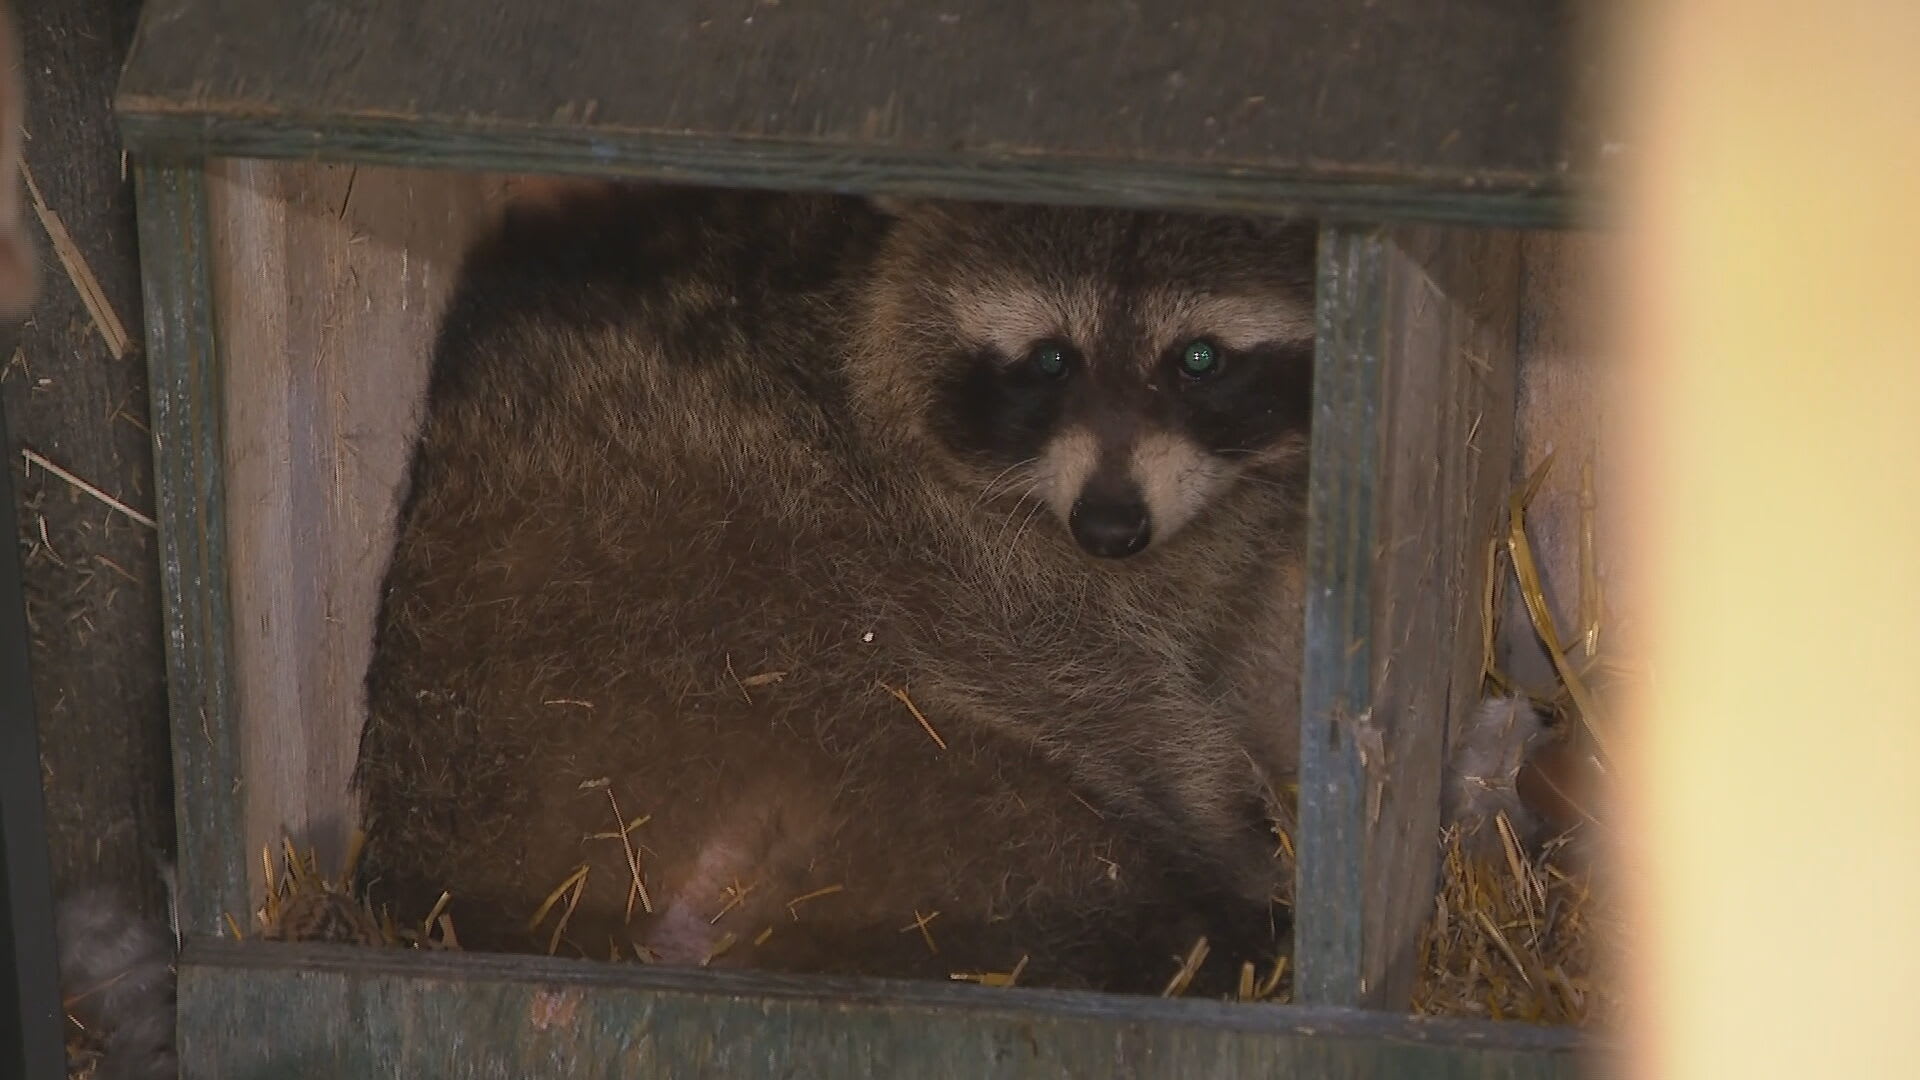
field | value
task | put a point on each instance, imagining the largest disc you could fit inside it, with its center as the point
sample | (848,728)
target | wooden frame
(1413,423)
(412,1014)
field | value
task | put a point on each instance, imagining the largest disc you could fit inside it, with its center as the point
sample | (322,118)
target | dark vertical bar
(31,1043)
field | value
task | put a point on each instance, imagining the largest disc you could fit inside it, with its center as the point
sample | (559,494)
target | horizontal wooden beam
(379,1012)
(1398,109)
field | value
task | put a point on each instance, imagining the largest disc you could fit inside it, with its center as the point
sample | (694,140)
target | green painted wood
(1413,422)
(1398,108)
(250,1011)
(184,378)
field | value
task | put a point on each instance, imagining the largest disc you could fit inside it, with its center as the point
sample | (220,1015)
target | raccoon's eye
(1049,360)
(1199,359)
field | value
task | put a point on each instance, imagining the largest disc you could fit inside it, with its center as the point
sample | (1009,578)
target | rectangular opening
(324,284)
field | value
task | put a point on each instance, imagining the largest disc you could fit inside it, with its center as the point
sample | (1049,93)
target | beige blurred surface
(1774,321)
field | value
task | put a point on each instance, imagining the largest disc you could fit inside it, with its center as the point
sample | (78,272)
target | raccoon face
(1124,369)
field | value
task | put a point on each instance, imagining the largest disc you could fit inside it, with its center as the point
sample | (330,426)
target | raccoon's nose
(1111,526)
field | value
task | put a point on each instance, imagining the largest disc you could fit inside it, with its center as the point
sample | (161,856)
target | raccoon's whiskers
(1003,480)
(1032,511)
(1268,482)
(1001,541)
(1003,552)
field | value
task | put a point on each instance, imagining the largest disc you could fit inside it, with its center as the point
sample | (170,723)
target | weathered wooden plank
(1474,112)
(91,574)
(1412,435)
(184,373)
(392,1013)
(327,287)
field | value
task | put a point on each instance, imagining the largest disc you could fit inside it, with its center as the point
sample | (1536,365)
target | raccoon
(117,982)
(820,584)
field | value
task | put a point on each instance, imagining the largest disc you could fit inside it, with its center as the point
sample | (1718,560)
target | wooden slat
(1412,438)
(1400,107)
(185,381)
(327,286)
(392,1013)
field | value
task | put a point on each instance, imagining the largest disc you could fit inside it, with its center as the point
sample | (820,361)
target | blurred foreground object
(1775,207)
(19,262)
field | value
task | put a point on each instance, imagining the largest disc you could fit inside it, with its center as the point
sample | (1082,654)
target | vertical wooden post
(184,371)
(1412,439)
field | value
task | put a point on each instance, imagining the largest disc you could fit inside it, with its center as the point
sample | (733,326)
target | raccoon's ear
(893,206)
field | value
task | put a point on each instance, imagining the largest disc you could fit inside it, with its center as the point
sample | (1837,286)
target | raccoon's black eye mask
(1244,399)
(999,410)
(1197,359)
(995,411)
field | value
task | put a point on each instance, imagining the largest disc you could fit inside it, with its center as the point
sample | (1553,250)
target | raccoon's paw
(116,978)
(1485,759)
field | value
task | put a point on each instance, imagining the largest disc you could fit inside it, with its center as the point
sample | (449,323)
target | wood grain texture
(91,574)
(1413,421)
(1478,111)
(184,372)
(1564,400)
(393,1013)
(327,286)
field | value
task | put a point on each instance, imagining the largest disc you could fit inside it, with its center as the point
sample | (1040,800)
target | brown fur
(117,983)
(676,448)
